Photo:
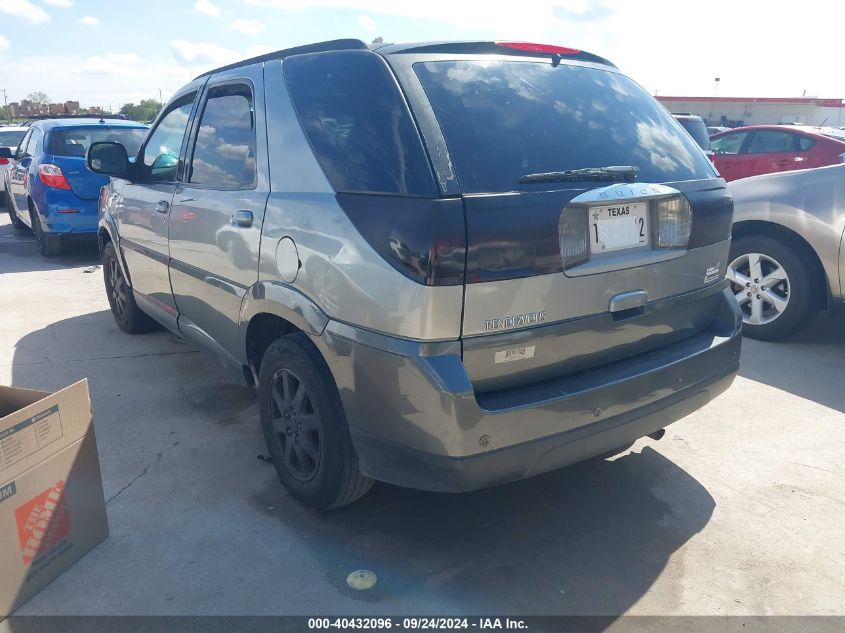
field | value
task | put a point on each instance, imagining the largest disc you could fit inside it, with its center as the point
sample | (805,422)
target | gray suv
(444,266)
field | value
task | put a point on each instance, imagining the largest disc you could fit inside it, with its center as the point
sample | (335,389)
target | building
(736,111)
(28,108)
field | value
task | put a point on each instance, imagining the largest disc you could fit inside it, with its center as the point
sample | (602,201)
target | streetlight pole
(6,105)
(716,86)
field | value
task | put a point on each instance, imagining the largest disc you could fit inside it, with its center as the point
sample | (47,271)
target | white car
(9,137)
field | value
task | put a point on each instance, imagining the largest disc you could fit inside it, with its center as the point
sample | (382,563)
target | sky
(109,53)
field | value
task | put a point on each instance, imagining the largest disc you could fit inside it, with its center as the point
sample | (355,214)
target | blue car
(50,190)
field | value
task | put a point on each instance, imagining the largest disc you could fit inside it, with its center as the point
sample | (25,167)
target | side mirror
(108,158)
(6,153)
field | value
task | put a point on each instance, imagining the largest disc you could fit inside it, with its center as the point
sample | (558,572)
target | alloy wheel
(761,286)
(117,286)
(295,425)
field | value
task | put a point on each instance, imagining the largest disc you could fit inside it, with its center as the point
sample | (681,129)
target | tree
(144,111)
(38,97)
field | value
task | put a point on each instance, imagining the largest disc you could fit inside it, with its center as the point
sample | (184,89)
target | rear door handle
(162,206)
(242,219)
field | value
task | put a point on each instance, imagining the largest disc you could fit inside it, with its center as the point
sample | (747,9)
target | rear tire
(16,221)
(48,245)
(787,302)
(125,311)
(305,426)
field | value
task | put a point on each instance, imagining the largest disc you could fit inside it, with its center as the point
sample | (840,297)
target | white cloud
(24,9)
(64,4)
(4,44)
(204,6)
(89,20)
(367,23)
(204,53)
(248,27)
(120,64)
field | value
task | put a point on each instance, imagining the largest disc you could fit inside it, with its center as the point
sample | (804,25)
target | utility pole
(160,102)
(6,105)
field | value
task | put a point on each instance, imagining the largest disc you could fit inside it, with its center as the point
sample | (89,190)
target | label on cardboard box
(27,436)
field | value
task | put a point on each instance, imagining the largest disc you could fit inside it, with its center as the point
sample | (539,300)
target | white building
(735,111)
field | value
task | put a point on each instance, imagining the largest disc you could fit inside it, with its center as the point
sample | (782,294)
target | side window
(358,124)
(160,159)
(21,151)
(805,143)
(34,146)
(224,152)
(729,143)
(771,141)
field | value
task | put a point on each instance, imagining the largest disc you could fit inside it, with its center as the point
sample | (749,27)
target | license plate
(616,227)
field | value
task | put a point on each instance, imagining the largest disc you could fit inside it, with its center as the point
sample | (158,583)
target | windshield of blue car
(76,140)
(10,139)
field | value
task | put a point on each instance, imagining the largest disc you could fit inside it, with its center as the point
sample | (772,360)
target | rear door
(771,151)
(560,274)
(145,205)
(218,209)
(18,173)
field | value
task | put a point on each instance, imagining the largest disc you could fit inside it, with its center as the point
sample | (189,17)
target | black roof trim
(96,117)
(482,48)
(319,47)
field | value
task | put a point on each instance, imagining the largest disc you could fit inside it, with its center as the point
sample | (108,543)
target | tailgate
(529,314)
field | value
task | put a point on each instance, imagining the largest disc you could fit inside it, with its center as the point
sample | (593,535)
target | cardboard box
(52,509)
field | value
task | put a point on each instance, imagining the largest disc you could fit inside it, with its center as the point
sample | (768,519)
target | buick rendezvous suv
(444,266)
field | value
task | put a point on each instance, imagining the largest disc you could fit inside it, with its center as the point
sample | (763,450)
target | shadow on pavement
(25,256)
(589,539)
(808,364)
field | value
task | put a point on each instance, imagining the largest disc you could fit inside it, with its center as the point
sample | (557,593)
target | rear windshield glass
(697,130)
(504,119)
(75,141)
(358,124)
(10,139)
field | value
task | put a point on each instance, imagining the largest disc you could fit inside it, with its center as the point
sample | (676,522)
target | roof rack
(319,47)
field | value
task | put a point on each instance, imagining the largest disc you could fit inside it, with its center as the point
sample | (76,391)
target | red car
(763,149)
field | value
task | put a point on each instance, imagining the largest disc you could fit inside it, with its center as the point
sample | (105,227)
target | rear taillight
(546,49)
(674,222)
(573,232)
(4,161)
(52,176)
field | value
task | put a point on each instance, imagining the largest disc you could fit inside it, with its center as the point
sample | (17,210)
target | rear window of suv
(74,141)
(504,119)
(358,123)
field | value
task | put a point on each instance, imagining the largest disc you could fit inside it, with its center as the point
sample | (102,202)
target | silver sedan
(786,261)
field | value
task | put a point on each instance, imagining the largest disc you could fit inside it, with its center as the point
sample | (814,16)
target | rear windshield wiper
(613,173)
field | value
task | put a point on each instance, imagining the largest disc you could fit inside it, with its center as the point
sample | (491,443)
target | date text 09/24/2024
(422,623)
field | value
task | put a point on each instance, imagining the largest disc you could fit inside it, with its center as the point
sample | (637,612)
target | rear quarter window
(504,119)
(358,123)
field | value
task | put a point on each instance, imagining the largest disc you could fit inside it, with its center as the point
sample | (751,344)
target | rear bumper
(82,222)
(415,420)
